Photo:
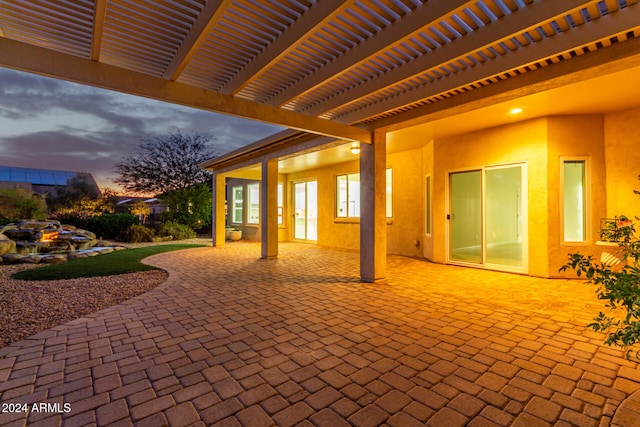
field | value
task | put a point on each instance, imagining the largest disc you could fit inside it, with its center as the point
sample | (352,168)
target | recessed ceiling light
(515,111)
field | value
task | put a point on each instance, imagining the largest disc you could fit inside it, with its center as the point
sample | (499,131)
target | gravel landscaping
(29,307)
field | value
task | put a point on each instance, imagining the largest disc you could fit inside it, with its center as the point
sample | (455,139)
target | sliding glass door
(305,202)
(487,217)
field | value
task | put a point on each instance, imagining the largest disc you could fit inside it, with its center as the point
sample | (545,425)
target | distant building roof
(41,179)
(35,176)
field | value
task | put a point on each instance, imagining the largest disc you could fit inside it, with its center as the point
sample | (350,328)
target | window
(574,187)
(236,204)
(253,201)
(389,188)
(348,195)
(280,203)
(427,210)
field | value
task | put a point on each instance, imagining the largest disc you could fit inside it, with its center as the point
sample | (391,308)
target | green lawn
(118,262)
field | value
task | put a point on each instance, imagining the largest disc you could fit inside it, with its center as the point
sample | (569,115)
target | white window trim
(587,201)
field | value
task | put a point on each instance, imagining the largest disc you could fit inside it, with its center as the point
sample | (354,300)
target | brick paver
(235,340)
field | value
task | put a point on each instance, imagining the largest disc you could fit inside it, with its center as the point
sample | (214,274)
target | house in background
(40,181)
(423,89)
(149,210)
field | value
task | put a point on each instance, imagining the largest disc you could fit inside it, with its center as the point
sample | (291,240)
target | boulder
(38,225)
(31,259)
(85,233)
(54,259)
(7,227)
(76,256)
(7,245)
(11,258)
(20,234)
(104,250)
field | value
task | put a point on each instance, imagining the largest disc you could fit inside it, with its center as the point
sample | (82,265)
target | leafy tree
(79,195)
(19,203)
(140,209)
(166,163)
(190,206)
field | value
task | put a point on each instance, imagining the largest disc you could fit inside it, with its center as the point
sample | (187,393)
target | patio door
(305,214)
(488,217)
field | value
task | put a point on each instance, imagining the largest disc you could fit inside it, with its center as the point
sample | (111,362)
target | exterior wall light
(355,148)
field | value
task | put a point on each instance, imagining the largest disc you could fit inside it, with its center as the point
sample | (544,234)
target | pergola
(348,70)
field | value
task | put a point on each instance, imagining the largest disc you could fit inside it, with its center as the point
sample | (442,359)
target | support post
(269,209)
(218,209)
(373,221)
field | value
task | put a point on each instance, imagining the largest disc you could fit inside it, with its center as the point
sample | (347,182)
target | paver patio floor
(238,341)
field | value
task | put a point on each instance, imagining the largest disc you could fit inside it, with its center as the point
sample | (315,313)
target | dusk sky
(53,124)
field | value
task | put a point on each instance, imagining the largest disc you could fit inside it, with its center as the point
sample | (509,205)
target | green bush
(109,226)
(176,231)
(617,283)
(136,234)
(73,219)
(19,203)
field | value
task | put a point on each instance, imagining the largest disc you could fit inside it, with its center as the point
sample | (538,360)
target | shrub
(176,231)
(109,226)
(136,234)
(19,203)
(617,282)
(73,219)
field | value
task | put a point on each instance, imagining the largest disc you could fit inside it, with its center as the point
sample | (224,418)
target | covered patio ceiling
(332,68)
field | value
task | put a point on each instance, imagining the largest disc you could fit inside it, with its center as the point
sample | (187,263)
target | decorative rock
(6,245)
(7,227)
(31,259)
(54,259)
(11,258)
(32,241)
(20,234)
(104,250)
(38,225)
(89,252)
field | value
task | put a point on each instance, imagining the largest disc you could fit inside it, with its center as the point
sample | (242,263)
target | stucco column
(373,220)
(269,209)
(217,209)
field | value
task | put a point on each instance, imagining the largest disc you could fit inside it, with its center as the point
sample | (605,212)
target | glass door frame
(306,210)
(524,200)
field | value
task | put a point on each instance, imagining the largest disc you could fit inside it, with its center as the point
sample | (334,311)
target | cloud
(60,151)
(53,124)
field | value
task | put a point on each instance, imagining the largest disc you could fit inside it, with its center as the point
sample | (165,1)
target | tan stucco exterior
(622,153)
(606,142)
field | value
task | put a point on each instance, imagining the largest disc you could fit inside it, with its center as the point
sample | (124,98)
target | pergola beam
(206,20)
(603,28)
(318,15)
(38,60)
(508,26)
(99,14)
(400,30)
(618,57)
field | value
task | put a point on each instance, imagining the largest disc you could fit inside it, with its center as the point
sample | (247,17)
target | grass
(118,262)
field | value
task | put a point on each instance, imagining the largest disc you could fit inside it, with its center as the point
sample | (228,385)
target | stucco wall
(403,230)
(343,233)
(541,143)
(406,227)
(427,170)
(522,142)
(622,153)
(574,137)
